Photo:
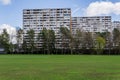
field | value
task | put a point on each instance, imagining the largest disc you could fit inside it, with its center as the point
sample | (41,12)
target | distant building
(92,24)
(116,24)
(53,19)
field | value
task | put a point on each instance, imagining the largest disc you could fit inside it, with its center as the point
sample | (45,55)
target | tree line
(80,42)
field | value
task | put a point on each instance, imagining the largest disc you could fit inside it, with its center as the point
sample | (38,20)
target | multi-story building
(116,24)
(92,24)
(53,19)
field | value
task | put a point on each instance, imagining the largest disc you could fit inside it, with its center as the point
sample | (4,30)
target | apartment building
(116,24)
(53,19)
(92,24)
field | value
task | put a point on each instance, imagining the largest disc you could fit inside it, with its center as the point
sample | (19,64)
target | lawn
(59,67)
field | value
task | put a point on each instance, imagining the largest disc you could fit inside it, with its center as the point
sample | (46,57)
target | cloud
(10,30)
(5,2)
(102,8)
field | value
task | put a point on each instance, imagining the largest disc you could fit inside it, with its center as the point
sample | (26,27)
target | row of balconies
(47,13)
(47,9)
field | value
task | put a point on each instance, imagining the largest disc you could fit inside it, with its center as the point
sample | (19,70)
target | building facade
(92,24)
(52,19)
(116,24)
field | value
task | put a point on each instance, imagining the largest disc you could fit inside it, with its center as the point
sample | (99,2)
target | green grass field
(59,67)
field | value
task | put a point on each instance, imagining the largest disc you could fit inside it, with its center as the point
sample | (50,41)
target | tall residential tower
(52,19)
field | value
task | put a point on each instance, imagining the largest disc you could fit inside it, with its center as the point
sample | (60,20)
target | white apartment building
(37,19)
(116,24)
(92,24)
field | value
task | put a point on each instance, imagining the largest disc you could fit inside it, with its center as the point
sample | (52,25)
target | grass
(59,67)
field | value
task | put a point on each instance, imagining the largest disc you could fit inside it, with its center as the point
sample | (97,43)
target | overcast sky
(11,10)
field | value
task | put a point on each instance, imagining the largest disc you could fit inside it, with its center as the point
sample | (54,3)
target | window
(66,14)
